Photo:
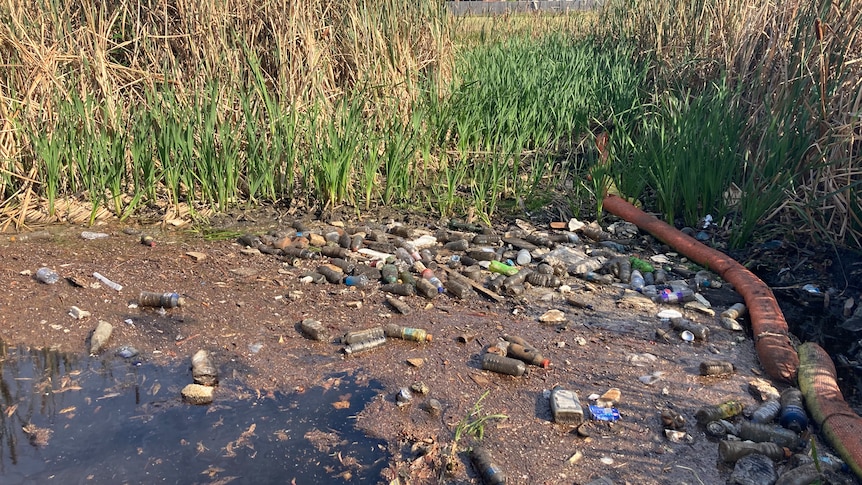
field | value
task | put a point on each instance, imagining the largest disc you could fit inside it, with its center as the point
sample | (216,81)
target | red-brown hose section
(816,372)
(774,348)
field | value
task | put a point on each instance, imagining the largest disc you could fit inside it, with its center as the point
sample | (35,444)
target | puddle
(74,419)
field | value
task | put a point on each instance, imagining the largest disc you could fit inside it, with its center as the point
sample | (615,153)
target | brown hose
(841,425)
(774,348)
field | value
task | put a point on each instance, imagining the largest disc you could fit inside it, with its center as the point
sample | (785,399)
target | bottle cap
(545,363)
(429,337)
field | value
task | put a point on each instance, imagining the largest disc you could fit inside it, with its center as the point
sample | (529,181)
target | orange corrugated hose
(777,355)
(774,348)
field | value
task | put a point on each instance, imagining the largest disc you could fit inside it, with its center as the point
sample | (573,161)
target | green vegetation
(749,112)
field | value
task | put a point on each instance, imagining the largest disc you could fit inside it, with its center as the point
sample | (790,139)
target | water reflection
(77,419)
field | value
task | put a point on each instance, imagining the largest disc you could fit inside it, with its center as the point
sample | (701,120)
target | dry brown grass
(783,56)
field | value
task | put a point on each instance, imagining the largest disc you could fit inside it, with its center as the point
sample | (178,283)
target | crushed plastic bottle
(47,275)
(110,284)
(636,281)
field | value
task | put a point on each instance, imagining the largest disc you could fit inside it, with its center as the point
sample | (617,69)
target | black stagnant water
(77,419)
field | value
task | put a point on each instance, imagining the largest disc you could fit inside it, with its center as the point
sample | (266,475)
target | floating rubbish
(503,365)
(364,345)
(406,333)
(364,335)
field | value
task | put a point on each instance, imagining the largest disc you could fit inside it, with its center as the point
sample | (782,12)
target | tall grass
(197,105)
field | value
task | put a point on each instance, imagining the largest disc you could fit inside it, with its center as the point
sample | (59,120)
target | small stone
(316,240)
(763,390)
(198,394)
(197,256)
(433,407)
(416,362)
(731,324)
(354,304)
(581,341)
(78,314)
(635,301)
(553,316)
(419,388)
(576,457)
(609,398)
(249,252)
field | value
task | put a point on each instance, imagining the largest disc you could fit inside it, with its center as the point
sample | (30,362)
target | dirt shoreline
(244,309)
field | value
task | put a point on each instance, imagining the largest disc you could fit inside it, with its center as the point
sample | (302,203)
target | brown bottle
(527,354)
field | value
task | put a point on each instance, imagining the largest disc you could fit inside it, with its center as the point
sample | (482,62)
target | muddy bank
(244,307)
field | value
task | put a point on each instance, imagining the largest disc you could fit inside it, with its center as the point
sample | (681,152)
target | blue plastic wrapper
(599,413)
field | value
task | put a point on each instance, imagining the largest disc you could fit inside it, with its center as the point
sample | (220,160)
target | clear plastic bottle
(47,276)
(426,288)
(364,345)
(163,300)
(767,412)
(636,282)
(363,335)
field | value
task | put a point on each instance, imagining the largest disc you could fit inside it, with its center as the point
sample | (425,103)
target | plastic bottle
(545,280)
(356,280)
(411,250)
(363,335)
(699,331)
(47,276)
(753,469)
(764,432)
(364,345)
(482,254)
(636,282)
(313,329)
(524,257)
(300,253)
(110,284)
(719,411)
(459,245)
(716,368)
(399,305)
(496,283)
(502,268)
(792,415)
(660,276)
(426,288)
(528,355)
(389,273)
(401,289)
(163,300)
(356,242)
(674,295)
(491,473)
(566,407)
(334,252)
(767,412)
(731,451)
(808,473)
(204,372)
(434,280)
(406,333)
(346,265)
(735,311)
(332,275)
(503,365)
(458,288)
(407,278)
